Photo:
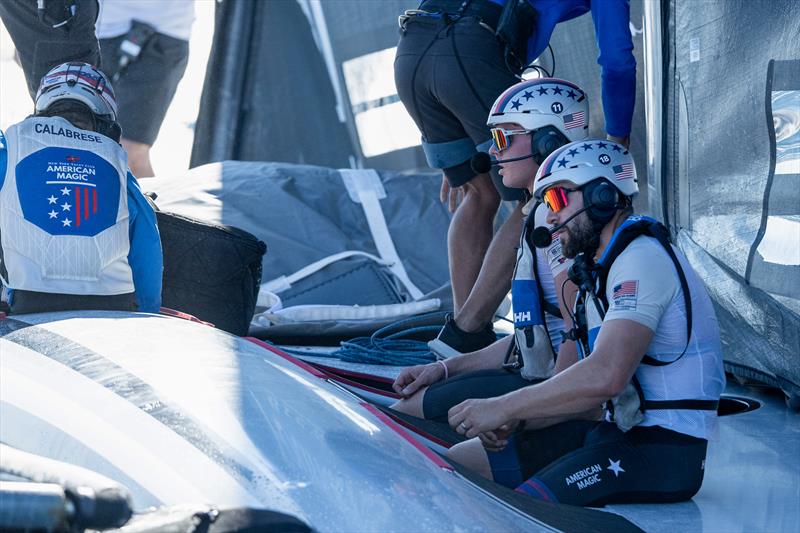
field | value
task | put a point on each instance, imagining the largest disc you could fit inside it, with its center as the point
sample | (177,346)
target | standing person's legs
(494,278)
(446,78)
(41,46)
(144,92)
(469,236)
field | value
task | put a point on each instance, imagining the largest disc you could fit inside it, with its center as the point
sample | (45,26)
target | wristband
(446,373)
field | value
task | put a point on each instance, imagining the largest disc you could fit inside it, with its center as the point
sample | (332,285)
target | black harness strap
(658,232)
(700,405)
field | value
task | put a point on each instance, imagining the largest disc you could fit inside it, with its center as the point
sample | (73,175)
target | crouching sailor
(75,230)
(525,130)
(650,352)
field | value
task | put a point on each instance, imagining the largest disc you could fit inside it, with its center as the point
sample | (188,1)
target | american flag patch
(575,120)
(625,295)
(623,171)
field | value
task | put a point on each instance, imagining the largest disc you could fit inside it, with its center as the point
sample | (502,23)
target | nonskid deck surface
(752,480)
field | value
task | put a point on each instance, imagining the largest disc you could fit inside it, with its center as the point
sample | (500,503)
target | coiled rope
(390,344)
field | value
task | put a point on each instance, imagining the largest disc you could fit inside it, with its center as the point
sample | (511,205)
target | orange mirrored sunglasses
(502,137)
(556,198)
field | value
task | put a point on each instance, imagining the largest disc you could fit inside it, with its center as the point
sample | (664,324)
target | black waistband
(487,11)
(40,302)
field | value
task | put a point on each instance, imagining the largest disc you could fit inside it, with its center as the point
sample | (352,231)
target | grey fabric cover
(732,170)
(304,214)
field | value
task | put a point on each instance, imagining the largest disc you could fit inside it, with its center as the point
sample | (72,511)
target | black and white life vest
(628,408)
(63,211)
(532,350)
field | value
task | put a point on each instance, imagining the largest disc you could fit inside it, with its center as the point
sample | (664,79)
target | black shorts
(433,88)
(594,464)
(42,47)
(24,302)
(145,88)
(443,395)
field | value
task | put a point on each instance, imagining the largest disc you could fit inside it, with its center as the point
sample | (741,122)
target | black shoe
(453,341)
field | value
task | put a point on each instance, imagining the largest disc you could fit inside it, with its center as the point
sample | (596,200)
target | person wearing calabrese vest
(525,129)
(75,229)
(650,353)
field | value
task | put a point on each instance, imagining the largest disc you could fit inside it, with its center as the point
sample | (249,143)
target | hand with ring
(475,416)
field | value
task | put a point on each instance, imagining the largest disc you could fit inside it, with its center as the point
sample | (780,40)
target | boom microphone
(542,236)
(481,163)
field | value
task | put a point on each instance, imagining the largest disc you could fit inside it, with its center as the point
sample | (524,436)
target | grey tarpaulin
(305,214)
(267,96)
(732,172)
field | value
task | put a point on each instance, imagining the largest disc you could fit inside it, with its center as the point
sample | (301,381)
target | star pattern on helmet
(65,191)
(51,200)
(65,206)
(516,104)
(567,155)
(557,90)
(542,90)
(572,94)
(53,213)
(528,95)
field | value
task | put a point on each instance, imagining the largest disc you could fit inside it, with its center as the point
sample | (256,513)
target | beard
(581,237)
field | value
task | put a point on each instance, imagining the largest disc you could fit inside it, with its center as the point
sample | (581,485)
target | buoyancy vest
(628,408)
(532,349)
(63,211)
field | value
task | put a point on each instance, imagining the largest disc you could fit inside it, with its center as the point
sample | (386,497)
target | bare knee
(472,455)
(481,194)
(412,405)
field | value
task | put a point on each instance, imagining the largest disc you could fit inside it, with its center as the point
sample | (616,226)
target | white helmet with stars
(78,81)
(541,102)
(585,161)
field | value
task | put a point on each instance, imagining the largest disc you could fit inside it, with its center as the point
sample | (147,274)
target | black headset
(602,199)
(546,140)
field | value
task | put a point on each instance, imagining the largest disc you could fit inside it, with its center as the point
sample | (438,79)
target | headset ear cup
(603,199)
(545,141)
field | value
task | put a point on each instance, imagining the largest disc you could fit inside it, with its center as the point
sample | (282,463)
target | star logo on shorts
(615,467)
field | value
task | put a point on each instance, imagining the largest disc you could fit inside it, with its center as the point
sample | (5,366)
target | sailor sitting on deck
(75,230)
(529,120)
(649,349)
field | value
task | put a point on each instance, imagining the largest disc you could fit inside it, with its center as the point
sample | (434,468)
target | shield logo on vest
(68,192)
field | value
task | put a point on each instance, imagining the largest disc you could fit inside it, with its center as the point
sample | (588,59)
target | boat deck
(752,481)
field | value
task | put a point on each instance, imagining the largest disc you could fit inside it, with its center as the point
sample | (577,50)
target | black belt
(694,405)
(488,12)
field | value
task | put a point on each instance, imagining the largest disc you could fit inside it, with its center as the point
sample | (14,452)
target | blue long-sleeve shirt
(618,66)
(145,256)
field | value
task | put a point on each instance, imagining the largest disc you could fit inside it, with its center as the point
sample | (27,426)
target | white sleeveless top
(64,211)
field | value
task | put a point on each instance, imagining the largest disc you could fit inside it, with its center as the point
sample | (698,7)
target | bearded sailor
(650,353)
